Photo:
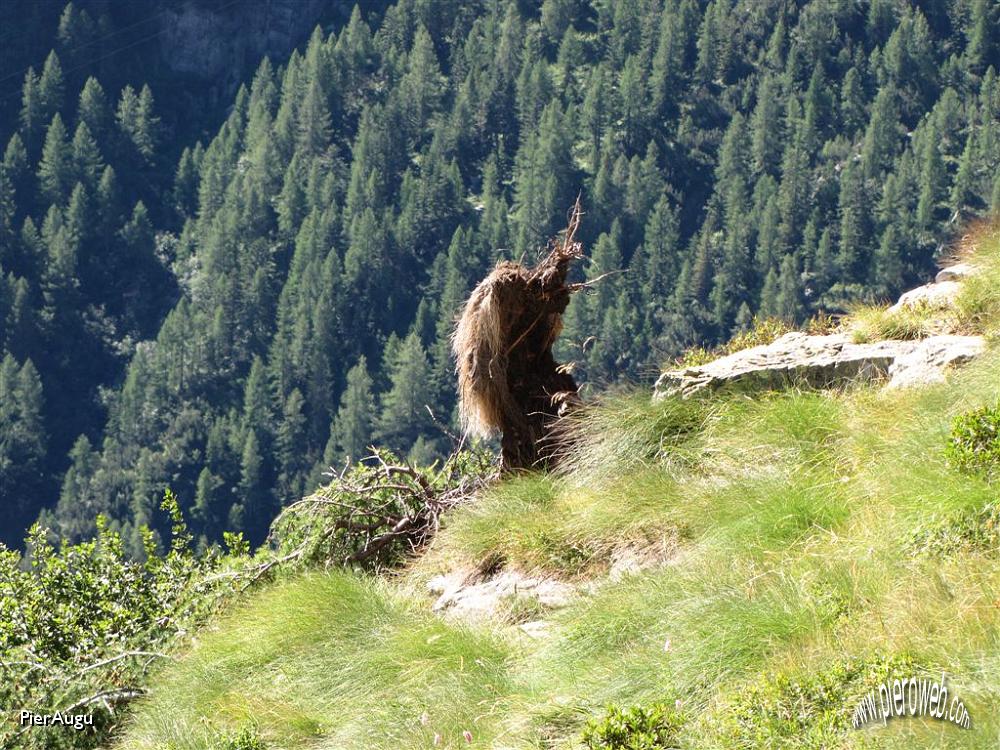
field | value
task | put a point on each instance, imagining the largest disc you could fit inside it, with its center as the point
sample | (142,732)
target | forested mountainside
(285,297)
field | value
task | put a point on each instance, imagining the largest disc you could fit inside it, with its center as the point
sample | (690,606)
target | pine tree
(108,203)
(12,169)
(292,448)
(789,302)
(207,501)
(982,48)
(79,497)
(881,135)
(185,194)
(51,86)
(403,414)
(314,121)
(769,295)
(932,176)
(78,215)
(253,503)
(137,121)
(32,110)
(56,169)
(93,108)
(852,256)
(351,431)
(75,33)
(87,161)
(852,102)
(544,184)
(421,86)
(22,442)
(888,265)
(766,126)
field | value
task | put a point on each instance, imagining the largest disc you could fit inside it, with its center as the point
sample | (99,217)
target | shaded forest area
(230,315)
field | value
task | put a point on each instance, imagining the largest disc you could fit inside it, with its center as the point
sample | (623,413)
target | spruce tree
(56,168)
(87,162)
(93,108)
(403,410)
(51,86)
(351,431)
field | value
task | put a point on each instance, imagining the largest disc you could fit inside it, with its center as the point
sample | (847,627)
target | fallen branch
(381,509)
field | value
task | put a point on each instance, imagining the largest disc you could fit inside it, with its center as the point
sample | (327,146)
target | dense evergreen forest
(229,315)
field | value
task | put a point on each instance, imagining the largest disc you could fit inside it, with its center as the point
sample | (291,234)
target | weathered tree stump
(508,380)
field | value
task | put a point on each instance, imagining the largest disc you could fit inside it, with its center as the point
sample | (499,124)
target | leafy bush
(636,728)
(975,530)
(247,739)
(812,709)
(974,445)
(81,625)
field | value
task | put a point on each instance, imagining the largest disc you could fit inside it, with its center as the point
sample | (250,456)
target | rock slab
(800,360)
(461,595)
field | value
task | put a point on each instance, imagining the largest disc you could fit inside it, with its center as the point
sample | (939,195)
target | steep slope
(794,550)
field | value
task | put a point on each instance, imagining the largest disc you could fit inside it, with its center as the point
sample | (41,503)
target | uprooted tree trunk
(508,380)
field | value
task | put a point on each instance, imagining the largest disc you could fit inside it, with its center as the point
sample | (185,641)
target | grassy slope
(799,525)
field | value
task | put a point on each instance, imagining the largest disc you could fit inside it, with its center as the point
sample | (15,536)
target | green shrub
(974,445)
(81,625)
(637,728)
(973,530)
(247,739)
(803,709)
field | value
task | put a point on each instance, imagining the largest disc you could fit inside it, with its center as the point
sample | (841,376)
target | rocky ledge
(799,359)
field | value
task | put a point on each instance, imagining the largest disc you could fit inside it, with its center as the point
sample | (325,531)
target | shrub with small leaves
(972,529)
(246,739)
(81,625)
(813,708)
(637,728)
(974,445)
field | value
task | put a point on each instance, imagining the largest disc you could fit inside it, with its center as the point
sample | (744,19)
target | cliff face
(223,44)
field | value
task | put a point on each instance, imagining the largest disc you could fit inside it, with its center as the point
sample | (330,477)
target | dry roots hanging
(508,380)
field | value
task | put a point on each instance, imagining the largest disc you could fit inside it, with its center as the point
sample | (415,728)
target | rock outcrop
(824,361)
(225,43)
(929,359)
(464,596)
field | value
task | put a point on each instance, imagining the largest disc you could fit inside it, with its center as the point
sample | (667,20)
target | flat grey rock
(459,594)
(800,360)
(928,362)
